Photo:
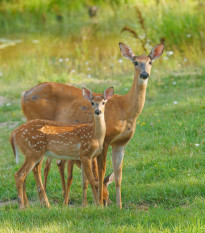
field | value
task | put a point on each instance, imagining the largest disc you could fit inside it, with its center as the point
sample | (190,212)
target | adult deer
(83,142)
(64,103)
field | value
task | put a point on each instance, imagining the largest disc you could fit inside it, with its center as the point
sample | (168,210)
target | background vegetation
(163,176)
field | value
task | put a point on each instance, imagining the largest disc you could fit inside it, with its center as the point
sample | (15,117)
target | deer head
(98,101)
(143,63)
(108,180)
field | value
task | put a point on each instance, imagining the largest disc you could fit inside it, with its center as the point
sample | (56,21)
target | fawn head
(142,63)
(108,180)
(98,101)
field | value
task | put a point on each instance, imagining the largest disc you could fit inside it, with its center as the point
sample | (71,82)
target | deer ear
(126,51)
(156,51)
(108,93)
(87,94)
(109,179)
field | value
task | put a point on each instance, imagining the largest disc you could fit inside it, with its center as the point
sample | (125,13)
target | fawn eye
(92,103)
(136,63)
(150,62)
(103,102)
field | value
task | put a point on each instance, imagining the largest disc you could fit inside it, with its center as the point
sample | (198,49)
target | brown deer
(64,103)
(83,142)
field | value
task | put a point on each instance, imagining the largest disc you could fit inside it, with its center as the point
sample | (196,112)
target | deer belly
(63,150)
(123,137)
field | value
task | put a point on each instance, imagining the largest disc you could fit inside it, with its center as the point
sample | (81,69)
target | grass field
(163,176)
(163,173)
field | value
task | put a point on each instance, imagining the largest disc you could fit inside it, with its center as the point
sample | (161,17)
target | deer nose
(144,75)
(97,112)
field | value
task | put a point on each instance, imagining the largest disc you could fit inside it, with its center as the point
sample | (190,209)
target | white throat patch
(143,81)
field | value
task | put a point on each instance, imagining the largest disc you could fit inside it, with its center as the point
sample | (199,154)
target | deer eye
(92,103)
(136,63)
(150,62)
(103,102)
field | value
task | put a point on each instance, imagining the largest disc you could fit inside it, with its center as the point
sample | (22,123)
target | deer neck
(136,96)
(100,128)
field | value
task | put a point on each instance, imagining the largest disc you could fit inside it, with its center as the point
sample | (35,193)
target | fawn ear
(126,51)
(87,94)
(156,51)
(108,93)
(109,179)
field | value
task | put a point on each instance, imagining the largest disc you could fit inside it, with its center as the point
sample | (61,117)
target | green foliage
(179,23)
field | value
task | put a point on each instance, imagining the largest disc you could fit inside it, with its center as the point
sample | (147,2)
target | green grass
(92,219)
(163,175)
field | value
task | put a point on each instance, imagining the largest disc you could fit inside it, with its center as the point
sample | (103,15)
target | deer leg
(40,188)
(25,195)
(85,186)
(46,171)
(78,163)
(20,177)
(95,169)
(70,164)
(117,161)
(87,168)
(61,168)
(101,159)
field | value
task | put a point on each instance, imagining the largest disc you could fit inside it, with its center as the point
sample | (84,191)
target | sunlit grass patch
(154,219)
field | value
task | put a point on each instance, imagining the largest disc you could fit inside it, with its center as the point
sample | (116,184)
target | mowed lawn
(163,183)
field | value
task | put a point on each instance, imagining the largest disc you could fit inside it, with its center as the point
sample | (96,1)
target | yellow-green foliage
(180,23)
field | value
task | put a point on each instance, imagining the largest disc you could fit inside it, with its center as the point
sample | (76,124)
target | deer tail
(14,146)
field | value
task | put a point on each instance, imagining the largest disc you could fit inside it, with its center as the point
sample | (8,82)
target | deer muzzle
(97,112)
(144,75)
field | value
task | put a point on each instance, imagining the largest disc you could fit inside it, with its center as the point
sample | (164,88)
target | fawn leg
(95,169)
(85,186)
(24,194)
(70,164)
(87,168)
(61,168)
(101,159)
(41,191)
(20,177)
(46,171)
